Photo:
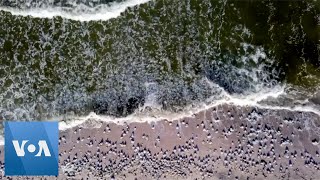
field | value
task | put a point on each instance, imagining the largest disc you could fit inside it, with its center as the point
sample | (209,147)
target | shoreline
(188,112)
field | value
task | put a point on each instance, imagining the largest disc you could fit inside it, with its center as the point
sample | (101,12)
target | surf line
(250,101)
(105,12)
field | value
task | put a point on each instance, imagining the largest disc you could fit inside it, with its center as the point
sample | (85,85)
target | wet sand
(223,142)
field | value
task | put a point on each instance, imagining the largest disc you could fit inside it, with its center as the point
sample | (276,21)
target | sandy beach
(223,142)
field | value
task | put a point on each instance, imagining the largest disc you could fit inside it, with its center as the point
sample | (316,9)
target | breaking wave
(71,9)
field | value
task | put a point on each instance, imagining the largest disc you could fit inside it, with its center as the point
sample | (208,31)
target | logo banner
(31,148)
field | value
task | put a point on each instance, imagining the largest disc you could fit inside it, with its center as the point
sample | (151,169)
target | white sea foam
(252,100)
(81,13)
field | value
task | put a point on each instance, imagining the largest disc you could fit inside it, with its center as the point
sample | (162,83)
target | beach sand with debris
(223,142)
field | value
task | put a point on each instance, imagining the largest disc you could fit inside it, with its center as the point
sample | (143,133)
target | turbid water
(61,59)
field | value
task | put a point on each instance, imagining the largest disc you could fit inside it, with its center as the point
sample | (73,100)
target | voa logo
(42,148)
(31,148)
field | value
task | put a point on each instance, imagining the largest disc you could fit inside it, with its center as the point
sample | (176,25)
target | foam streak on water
(80,13)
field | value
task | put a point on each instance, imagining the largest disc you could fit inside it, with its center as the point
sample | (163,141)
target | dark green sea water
(177,52)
